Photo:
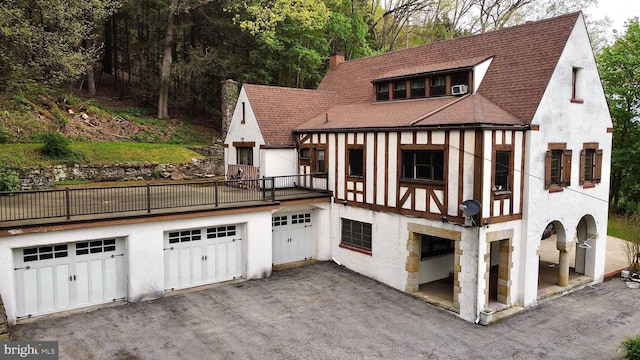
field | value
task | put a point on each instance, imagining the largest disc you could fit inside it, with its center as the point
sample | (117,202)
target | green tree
(618,65)
(48,40)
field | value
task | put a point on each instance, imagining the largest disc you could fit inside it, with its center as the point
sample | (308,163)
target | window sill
(502,194)
(353,248)
(422,182)
(556,189)
(577,101)
(588,185)
(355,177)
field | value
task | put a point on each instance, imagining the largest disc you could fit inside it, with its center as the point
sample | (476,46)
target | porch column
(563,264)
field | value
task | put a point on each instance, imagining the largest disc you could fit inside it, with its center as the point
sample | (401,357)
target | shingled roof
(279,110)
(522,57)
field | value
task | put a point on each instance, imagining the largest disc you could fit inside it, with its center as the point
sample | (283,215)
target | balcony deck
(75,204)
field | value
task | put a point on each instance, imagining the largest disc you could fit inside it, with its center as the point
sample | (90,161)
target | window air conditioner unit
(458,89)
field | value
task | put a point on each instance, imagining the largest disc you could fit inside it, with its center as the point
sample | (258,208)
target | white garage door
(59,277)
(202,256)
(292,237)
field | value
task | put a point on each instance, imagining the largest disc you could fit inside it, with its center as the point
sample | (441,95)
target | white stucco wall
(561,121)
(239,132)
(144,253)
(279,162)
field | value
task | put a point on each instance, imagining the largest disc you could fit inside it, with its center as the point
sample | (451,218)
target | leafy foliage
(9,180)
(618,66)
(632,346)
(55,146)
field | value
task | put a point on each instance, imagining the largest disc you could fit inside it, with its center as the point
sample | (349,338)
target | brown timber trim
(346,165)
(523,146)
(386,169)
(499,219)
(461,168)
(445,205)
(534,127)
(375,167)
(336,137)
(478,165)
(610,130)
(244,143)
(305,138)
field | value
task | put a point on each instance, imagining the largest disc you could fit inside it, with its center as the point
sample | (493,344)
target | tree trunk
(167,58)
(91,81)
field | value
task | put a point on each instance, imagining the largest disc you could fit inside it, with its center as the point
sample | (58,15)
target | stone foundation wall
(5,334)
(47,177)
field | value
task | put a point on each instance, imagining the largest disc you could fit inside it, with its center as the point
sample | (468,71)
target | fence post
(67,201)
(215,192)
(148,198)
(326,182)
(264,188)
(273,188)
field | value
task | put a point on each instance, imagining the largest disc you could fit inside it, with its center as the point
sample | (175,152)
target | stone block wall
(47,177)
(5,334)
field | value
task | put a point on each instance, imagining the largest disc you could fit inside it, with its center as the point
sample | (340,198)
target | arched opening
(586,237)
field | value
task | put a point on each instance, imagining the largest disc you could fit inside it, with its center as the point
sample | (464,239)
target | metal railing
(69,203)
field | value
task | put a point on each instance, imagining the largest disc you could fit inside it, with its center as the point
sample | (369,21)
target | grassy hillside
(102,130)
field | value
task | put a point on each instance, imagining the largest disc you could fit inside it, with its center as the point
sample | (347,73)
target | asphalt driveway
(324,311)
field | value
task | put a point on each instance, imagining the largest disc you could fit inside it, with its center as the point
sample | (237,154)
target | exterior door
(59,277)
(202,256)
(292,238)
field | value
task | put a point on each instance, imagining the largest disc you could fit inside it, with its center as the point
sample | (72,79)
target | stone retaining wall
(47,177)
(5,333)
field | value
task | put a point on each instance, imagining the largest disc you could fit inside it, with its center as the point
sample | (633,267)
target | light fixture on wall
(584,245)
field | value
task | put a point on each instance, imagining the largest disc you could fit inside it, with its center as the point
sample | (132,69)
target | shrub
(9,180)
(4,136)
(632,346)
(55,146)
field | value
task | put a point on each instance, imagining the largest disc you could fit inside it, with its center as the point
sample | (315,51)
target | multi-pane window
(244,155)
(44,252)
(301,218)
(432,246)
(423,165)
(221,231)
(184,236)
(502,171)
(399,90)
(438,86)
(305,154)
(279,221)
(417,88)
(590,164)
(557,166)
(95,246)
(320,162)
(356,234)
(356,159)
(382,91)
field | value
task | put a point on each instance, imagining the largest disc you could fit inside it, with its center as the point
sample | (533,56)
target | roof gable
(278,110)
(524,58)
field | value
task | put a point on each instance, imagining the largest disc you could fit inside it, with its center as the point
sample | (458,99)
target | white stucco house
(448,161)
(435,170)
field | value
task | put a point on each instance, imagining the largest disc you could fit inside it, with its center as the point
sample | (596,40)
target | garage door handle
(112,256)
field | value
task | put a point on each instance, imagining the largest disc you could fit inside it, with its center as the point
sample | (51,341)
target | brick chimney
(335,59)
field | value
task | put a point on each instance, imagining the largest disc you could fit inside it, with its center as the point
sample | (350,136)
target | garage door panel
(30,291)
(292,238)
(62,287)
(196,265)
(81,280)
(64,276)
(110,279)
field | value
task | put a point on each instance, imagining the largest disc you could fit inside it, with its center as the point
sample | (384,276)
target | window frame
(354,150)
(437,90)
(594,176)
(563,155)
(506,185)
(382,91)
(418,92)
(399,90)
(351,239)
(431,150)
(576,87)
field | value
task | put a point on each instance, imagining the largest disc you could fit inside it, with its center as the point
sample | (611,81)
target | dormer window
(438,86)
(400,90)
(417,88)
(423,84)
(382,91)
